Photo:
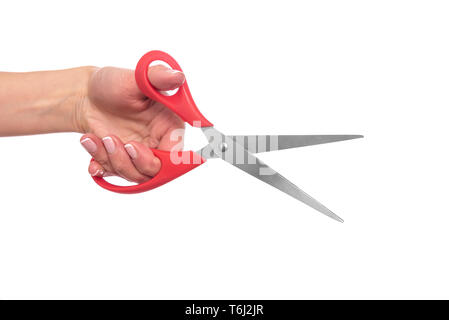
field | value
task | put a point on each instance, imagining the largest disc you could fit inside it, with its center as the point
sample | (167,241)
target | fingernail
(131,151)
(98,173)
(109,144)
(174,71)
(89,145)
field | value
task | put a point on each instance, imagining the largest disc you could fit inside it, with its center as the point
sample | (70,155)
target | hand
(121,124)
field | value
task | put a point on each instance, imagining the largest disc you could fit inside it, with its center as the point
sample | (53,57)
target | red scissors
(236,150)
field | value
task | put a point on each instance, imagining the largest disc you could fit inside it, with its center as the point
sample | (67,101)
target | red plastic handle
(181,102)
(173,165)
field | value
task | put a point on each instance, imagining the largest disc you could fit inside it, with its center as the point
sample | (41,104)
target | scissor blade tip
(336,218)
(350,137)
(340,220)
(332,215)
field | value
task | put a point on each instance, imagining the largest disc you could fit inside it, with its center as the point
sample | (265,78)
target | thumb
(164,78)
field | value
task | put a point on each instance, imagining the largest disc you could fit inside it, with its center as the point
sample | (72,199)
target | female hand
(121,124)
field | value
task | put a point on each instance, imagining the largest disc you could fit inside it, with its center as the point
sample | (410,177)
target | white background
(378,68)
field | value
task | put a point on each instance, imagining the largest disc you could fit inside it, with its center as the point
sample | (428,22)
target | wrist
(71,108)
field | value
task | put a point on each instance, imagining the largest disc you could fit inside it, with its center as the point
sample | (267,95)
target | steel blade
(267,143)
(227,149)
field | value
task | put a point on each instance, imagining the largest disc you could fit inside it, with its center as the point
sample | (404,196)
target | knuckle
(141,179)
(152,142)
(102,162)
(148,170)
(121,170)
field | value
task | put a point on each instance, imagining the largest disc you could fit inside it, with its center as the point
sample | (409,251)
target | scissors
(236,150)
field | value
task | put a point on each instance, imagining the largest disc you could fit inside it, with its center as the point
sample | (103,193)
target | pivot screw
(223,146)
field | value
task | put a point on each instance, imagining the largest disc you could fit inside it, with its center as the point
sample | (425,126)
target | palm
(115,111)
(149,126)
(126,112)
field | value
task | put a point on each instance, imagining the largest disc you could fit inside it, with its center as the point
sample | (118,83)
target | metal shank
(268,143)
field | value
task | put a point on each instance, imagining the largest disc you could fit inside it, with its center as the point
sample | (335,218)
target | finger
(164,78)
(96,149)
(95,169)
(115,87)
(120,161)
(172,140)
(143,158)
